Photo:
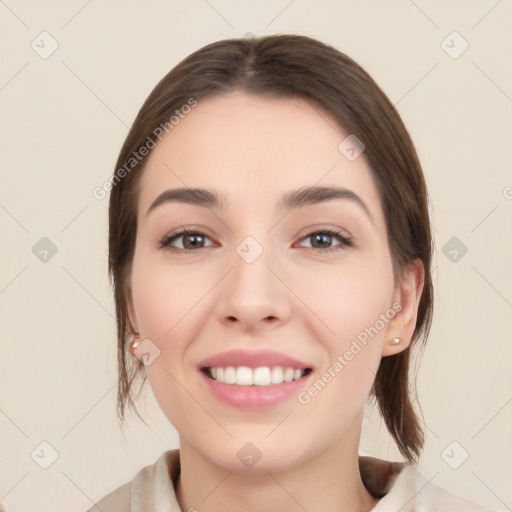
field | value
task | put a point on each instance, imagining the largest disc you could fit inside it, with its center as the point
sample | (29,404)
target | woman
(270,251)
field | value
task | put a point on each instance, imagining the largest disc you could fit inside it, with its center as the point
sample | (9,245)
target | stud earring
(134,344)
(395,341)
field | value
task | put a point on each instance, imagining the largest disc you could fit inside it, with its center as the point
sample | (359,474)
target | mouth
(253,377)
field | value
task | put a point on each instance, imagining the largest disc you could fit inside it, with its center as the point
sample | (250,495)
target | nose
(252,295)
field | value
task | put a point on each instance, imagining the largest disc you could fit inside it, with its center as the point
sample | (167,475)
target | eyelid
(324,227)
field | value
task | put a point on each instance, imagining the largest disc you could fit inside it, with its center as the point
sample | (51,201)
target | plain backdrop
(73,76)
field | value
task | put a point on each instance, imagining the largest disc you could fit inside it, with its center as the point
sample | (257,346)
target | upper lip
(252,359)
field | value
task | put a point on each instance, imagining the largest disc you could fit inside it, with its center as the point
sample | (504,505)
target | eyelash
(165,243)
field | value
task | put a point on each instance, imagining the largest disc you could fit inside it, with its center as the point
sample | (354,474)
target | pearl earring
(395,341)
(134,345)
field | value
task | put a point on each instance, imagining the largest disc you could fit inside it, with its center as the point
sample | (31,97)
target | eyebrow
(301,197)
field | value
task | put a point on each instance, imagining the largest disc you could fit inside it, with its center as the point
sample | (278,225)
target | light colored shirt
(401,487)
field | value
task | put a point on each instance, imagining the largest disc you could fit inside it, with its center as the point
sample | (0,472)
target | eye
(322,240)
(190,240)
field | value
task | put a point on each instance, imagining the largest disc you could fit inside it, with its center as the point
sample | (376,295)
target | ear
(407,294)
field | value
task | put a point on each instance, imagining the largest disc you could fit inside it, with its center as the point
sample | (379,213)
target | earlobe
(408,294)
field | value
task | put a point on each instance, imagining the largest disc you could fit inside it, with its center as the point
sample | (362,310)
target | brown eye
(190,240)
(323,240)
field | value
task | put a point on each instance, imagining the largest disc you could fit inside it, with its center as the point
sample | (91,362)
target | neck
(328,481)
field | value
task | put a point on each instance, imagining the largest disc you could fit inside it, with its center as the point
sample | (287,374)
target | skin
(295,298)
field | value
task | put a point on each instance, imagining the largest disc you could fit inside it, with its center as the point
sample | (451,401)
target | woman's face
(257,273)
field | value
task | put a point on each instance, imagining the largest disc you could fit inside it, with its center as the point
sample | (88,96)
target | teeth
(288,375)
(261,376)
(244,376)
(277,375)
(230,375)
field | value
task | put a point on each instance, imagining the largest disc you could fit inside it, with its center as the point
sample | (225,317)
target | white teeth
(277,375)
(244,376)
(261,376)
(288,375)
(229,375)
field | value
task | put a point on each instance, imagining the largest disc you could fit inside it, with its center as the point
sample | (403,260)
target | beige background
(63,120)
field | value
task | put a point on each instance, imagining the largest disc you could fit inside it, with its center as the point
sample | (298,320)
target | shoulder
(149,484)
(411,491)
(118,500)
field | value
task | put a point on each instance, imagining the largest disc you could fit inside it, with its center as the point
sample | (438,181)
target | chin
(255,455)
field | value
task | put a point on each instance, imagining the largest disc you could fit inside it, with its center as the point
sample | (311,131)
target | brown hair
(284,66)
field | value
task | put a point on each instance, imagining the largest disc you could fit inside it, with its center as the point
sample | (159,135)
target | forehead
(252,148)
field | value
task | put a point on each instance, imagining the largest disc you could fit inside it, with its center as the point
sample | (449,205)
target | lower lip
(254,397)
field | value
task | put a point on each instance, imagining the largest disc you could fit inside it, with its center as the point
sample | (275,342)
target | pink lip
(254,397)
(252,359)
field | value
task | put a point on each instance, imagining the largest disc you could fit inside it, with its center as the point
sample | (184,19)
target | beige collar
(399,487)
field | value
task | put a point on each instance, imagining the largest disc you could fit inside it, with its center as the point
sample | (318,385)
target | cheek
(348,299)
(166,300)
(352,306)
(356,307)
(171,306)
(162,296)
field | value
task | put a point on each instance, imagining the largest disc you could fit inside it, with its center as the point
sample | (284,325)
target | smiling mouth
(261,376)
